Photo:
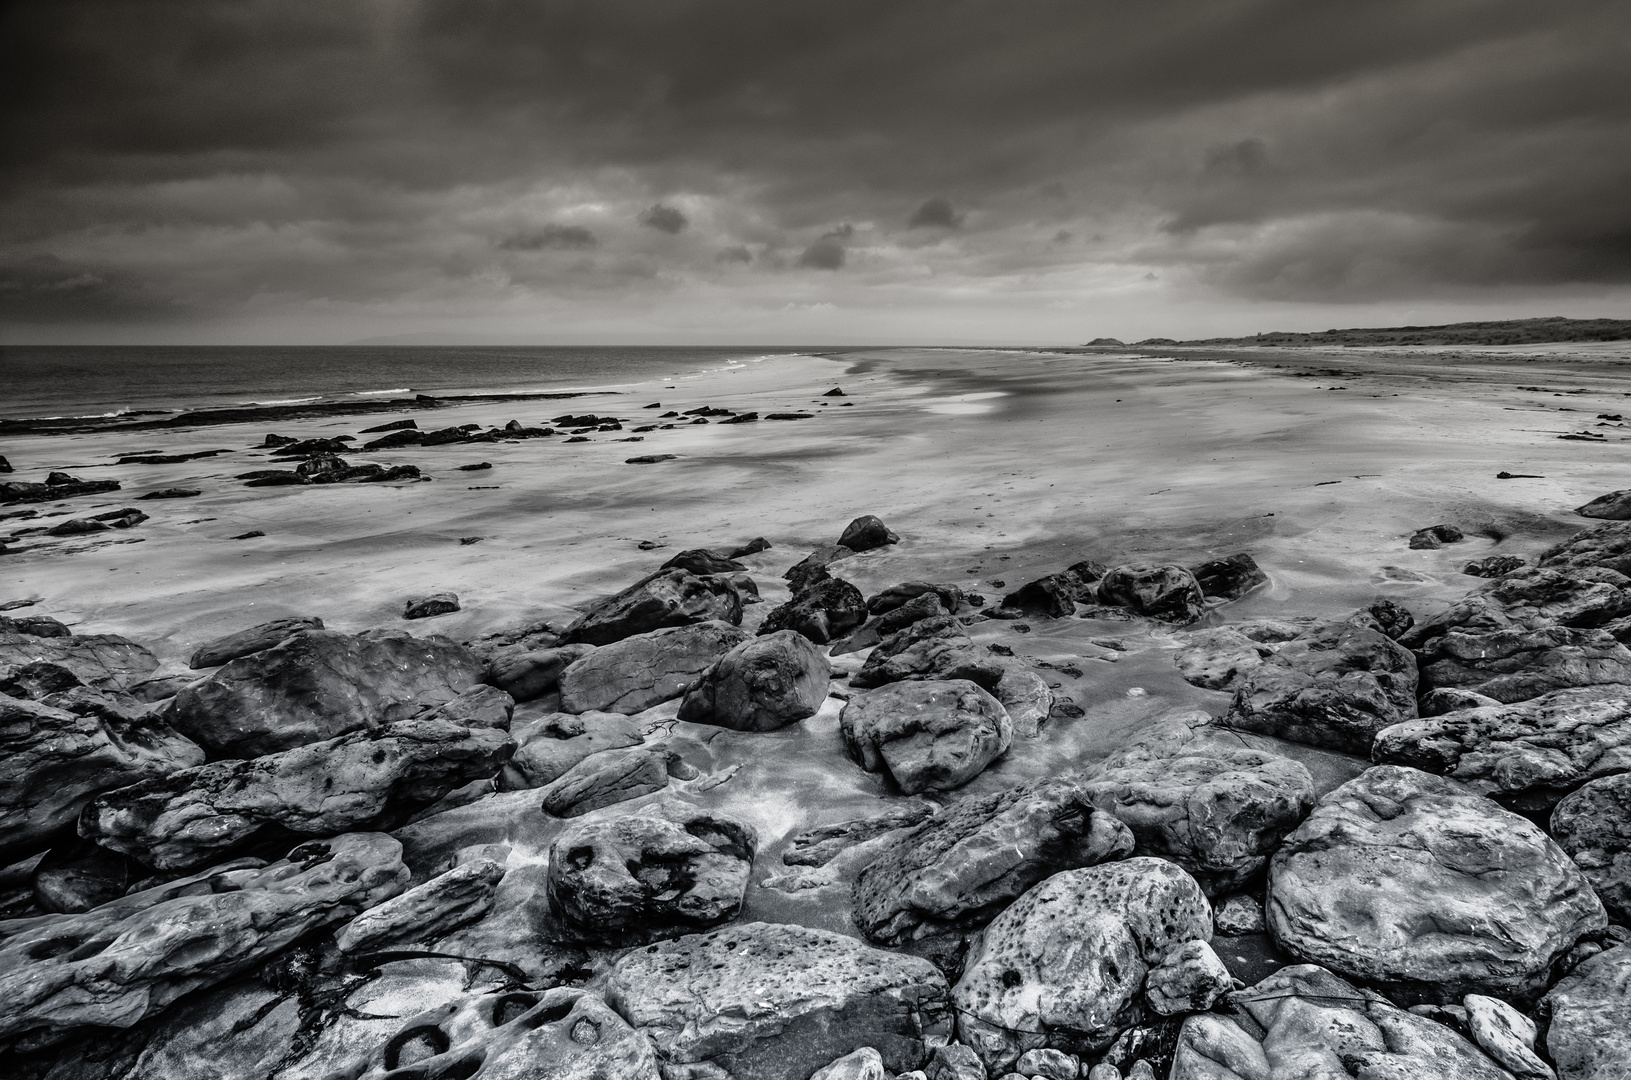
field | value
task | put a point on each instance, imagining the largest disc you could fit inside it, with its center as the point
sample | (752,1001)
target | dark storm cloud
(46,289)
(358,150)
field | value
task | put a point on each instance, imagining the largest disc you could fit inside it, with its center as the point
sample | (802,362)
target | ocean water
(51,381)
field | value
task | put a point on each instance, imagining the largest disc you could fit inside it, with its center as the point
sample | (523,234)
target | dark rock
(1228,578)
(611,776)
(965,864)
(746,418)
(1402,880)
(1492,566)
(319,464)
(531,673)
(834,392)
(1435,536)
(116,964)
(443,436)
(479,466)
(632,675)
(1333,686)
(760,685)
(647,459)
(404,437)
(105,661)
(317,685)
(230,647)
(49,492)
(171,493)
(790,416)
(428,607)
(951,597)
(1168,593)
(426,911)
(865,533)
(822,844)
(34,626)
(927,736)
(273,441)
(367,779)
(1516,665)
(273,478)
(1607,544)
(641,878)
(927,606)
(1394,620)
(78,527)
(1446,700)
(250,535)
(777,1002)
(702,561)
(668,598)
(1594,826)
(394,425)
(5,466)
(304,448)
(752,547)
(812,569)
(76,876)
(824,612)
(1054,596)
(1615,506)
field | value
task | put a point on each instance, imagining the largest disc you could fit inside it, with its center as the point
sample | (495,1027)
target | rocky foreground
(290,862)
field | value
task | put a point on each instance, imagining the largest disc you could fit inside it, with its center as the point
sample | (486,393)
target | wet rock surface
(927,736)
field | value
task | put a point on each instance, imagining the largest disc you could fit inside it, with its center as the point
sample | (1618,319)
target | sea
(89,381)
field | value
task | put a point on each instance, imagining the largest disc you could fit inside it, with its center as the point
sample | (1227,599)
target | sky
(784,171)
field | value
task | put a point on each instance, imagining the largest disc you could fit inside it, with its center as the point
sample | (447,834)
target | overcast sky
(781,171)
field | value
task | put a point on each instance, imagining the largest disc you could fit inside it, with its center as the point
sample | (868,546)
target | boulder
(824,612)
(1448,700)
(929,648)
(367,779)
(1594,826)
(428,607)
(53,762)
(1333,686)
(863,1064)
(1065,966)
(528,674)
(1402,880)
(1238,915)
(1056,595)
(118,963)
(224,649)
(1190,980)
(1303,1023)
(425,912)
(812,569)
(1506,1035)
(1215,809)
(667,598)
(702,561)
(1228,578)
(1526,755)
(105,661)
(659,874)
(1590,1033)
(1516,665)
(965,864)
(760,685)
(1494,566)
(927,606)
(1615,506)
(1531,599)
(34,626)
(927,736)
(1607,545)
(1218,657)
(632,675)
(562,1033)
(951,597)
(611,776)
(317,685)
(1026,697)
(954,1061)
(1436,536)
(765,1001)
(1168,593)
(548,746)
(1050,1065)
(867,532)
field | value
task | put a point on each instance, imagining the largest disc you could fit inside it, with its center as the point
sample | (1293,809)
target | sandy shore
(995,467)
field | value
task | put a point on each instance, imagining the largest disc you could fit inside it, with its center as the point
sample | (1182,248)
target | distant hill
(1500,332)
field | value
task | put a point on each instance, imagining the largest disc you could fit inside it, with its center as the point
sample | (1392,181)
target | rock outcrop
(965,864)
(662,873)
(1590,1034)
(1401,879)
(426,911)
(667,598)
(224,649)
(1594,826)
(104,661)
(1606,545)
(1615,506)
(927,736)
(765,1001)
(763,684)
(316,685)
(633,674)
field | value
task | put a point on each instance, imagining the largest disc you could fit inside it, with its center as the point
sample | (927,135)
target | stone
(762,684)
(1593,824)
(366,779)
(51,491)
(667,598)
(632,675)
(1401,879)
(529,674)
(105,661)
(1589,1037)
(1516,665)
(812,569)
(34,626)
(926,606)
(1190,980)
(1168,593)
(317,685)
(951,597)
(230,647)
(1026,697)
(863,1064)
(1506,1035)
(1104,1071)
(1615,506)
(766,1001)
(954,1061)
(548,746)
(1217,657)
(1070,958)
(867,532)
(1607,544)
(1333,686)
(658,874)
(1056,595)
(1219,811)
(929,648)
(428,607)
(53,762)
(1394,620)
(965,864)
(1303,1022)
(1049,1064)
(926,736)
(1238,915)
(1526,755)
(1531,599)
(824,612)
(1447,700)
(1436,536)
(611,776)
(822,844)
(426,911)
(1228,578)
(1494,566)
(126,960)
(562,1033)
(703,561)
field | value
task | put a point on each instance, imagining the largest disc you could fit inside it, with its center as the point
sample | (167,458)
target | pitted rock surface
(1590,1033)
(1402,879)
(1070,958)
(767,1001)
(974,858)
(1593,825)
(632,675)
(927,736)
